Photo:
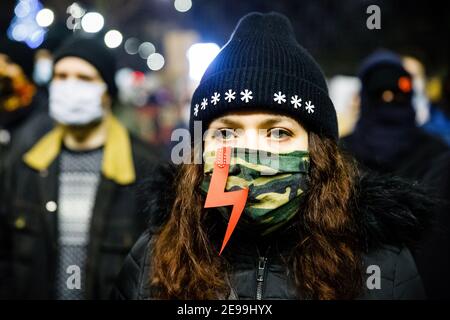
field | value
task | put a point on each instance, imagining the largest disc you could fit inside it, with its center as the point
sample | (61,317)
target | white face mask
(43,71)
(76,102)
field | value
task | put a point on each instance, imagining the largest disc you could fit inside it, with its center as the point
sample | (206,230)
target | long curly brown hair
(326,262)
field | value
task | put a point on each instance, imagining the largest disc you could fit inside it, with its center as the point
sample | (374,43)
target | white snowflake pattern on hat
(296,101)
(247,95)
(309,107)
(204,103)
(215,98)
(279,97)
(196,109)
(230,95)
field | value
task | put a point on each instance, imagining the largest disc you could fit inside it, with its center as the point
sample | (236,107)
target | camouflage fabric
(276,183)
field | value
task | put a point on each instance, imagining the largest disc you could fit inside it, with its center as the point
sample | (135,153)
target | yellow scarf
(117,158)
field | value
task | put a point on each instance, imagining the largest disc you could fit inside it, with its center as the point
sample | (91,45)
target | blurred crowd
(73,142)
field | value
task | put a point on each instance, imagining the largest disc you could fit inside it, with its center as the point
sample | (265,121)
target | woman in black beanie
(299,221)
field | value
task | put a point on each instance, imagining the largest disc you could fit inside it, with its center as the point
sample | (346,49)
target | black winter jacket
(29,232)
(428,162)
(21,136)
(393,215)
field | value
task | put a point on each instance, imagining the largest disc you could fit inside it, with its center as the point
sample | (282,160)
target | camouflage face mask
(276,183)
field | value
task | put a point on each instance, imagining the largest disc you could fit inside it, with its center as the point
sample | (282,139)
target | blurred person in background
(439,121)
(309,228)
(420,101)
(387,139)
(22,119)
(72,211)
(344,92)
(433,118)
(434,258)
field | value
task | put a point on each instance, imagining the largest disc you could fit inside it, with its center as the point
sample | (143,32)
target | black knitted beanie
(263,67)
(93,51)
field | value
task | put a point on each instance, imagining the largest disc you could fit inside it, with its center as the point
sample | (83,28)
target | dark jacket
(29,233)
(392,215)
(21,135)
(433,256)
(427,161)
(413,163)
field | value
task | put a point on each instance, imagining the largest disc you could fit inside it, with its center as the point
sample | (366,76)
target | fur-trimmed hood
(391,211)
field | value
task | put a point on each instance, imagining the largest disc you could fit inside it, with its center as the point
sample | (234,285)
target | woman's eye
(278,134)
(225,134)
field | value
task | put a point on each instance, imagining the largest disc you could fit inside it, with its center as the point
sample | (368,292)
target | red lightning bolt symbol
(217,197)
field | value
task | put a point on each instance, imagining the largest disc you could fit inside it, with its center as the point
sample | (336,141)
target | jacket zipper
(262,262)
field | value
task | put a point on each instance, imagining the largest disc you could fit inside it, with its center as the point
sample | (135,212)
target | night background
(333,31)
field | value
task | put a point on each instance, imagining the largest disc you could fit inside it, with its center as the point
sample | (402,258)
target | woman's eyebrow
(271,121)
(275,121)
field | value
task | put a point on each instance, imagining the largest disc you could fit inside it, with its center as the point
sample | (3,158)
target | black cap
(55,37)
(263,66)
(383,70)
(93,51)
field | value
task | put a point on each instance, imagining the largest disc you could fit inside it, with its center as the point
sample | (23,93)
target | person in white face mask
(79,100)
(81,93)
(80,179)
